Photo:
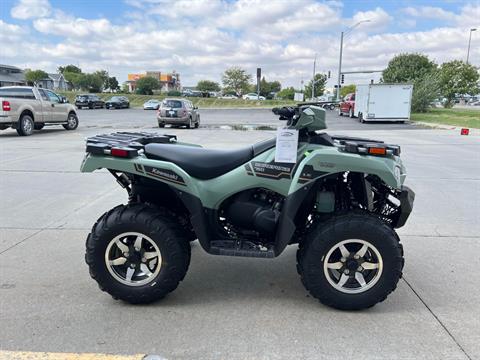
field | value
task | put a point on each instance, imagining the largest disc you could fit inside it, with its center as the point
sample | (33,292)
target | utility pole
(469,41)
(313,78)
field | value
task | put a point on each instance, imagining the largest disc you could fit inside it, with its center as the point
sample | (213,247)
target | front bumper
(407,197)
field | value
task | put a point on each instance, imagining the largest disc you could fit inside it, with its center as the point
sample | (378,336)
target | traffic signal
(329,74)
(343,78)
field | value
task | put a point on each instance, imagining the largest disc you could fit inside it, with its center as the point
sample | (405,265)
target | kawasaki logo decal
(164,174)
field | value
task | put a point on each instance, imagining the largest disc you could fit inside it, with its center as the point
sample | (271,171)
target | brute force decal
(273,170)
(309,173)
(164,174)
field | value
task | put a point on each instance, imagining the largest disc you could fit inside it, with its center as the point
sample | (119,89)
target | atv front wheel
(137,254)
(351,262)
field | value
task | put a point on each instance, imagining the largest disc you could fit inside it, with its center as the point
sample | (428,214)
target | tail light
(6,105)
(185,112)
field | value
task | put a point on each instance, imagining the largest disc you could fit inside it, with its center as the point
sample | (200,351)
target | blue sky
(201,38)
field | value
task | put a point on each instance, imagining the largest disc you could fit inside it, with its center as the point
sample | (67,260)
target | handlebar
(285,112)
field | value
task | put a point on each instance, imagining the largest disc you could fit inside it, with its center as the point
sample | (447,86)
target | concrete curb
(473,131)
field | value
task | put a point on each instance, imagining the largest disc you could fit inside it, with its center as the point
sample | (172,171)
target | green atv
(340,201)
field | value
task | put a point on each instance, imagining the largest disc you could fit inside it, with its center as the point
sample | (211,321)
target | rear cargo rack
(366,146)
(125,144)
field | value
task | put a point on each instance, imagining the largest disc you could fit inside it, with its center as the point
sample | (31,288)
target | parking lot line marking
(29,355)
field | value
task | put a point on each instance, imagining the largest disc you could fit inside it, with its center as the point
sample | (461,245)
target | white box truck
(383,102)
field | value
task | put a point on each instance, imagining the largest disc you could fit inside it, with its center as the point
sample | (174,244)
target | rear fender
(162,171)
(165,172)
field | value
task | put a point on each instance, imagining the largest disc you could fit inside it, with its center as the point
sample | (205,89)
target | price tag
(287,144)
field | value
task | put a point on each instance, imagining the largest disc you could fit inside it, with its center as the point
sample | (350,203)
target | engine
(257,210)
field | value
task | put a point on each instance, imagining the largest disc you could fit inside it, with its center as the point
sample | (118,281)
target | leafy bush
(146,85)
(174,93)
(425,91)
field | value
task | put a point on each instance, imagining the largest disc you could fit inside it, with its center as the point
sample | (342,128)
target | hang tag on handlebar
(286,146)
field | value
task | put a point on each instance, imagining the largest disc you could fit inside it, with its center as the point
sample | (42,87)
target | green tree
(69,69)
(90,82)
(287,93)
(103,74)
(266,87)
(73,78)
(425,91)
(125,88)
(320,82)
(458,78)
(112,84)
(146,85)
(34,76)
(236,79)
(347,89)
(407,68)
(207,85)
(418,70)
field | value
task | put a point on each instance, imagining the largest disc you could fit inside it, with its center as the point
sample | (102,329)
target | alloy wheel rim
(27,126)
(353,266)
(72,121)
(133,259)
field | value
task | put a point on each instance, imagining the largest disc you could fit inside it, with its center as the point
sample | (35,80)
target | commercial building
(168,81)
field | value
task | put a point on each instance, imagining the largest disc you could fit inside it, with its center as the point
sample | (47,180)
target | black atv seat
(205,163)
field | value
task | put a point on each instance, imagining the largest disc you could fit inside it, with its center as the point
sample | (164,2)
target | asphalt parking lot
(211,118)
(233,308)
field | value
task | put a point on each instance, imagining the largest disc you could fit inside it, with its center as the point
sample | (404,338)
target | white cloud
(10,34)
(30,9)
(378,19)
(429,12)
(469,15)
(63,25)
(282,37)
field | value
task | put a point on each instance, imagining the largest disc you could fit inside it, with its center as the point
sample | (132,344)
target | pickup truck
(347,106)
(27,108)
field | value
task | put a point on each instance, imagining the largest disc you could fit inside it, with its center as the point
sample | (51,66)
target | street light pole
(340,67)
(341,54)
(469,41)
(313,78)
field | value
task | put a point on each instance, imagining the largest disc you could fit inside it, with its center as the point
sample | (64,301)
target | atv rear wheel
(137,254)
(351,262)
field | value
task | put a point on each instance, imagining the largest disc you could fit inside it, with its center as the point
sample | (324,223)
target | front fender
(330,160)
(324,161)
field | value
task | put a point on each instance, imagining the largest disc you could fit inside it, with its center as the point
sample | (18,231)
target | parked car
(27,108)
(117,102)
(228,97)
(90,101)
(347,106)
(152,104)
(178,112)
(253,96)
(192,93)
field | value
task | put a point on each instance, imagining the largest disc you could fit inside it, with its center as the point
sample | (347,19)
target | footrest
(244,248)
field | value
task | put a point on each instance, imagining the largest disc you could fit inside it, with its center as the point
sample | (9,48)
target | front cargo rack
(125,144)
